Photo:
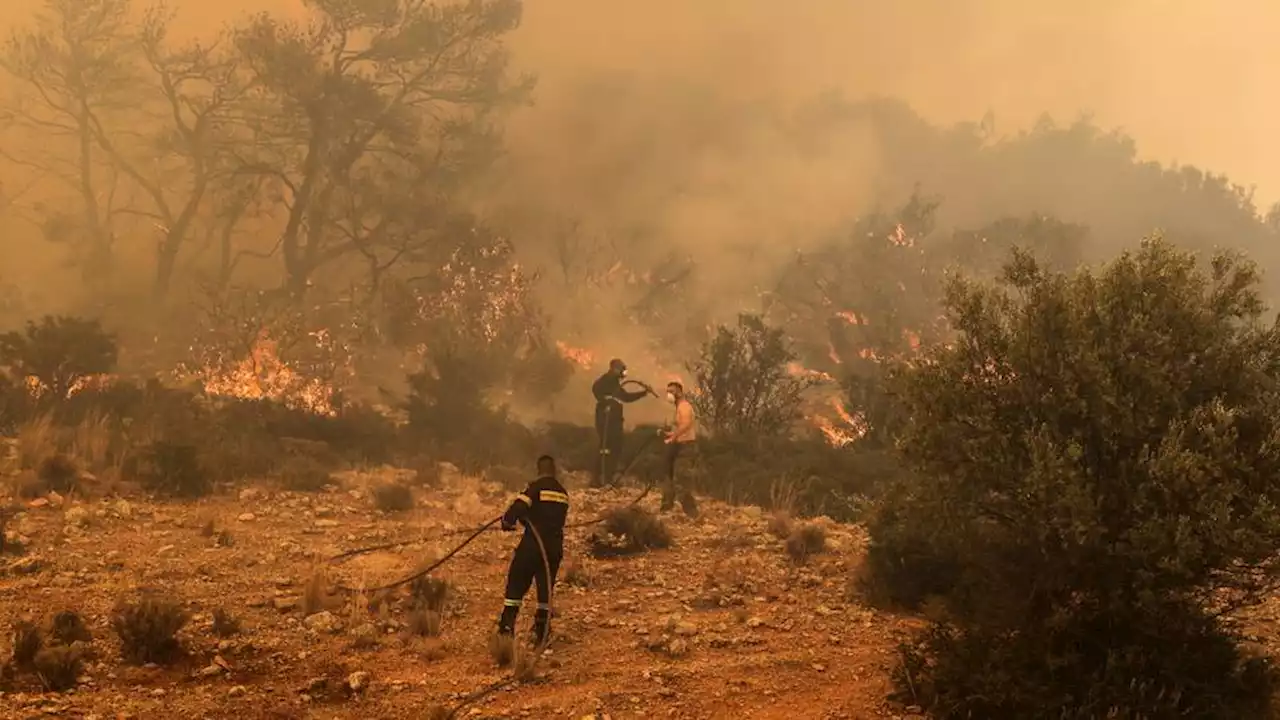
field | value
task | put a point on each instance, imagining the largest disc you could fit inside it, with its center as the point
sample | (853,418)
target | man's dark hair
(676,385)
(546,465)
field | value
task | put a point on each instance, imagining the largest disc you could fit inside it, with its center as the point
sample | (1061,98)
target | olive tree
(1095,466)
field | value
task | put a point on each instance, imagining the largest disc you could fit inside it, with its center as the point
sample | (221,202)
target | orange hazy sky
(1184,77)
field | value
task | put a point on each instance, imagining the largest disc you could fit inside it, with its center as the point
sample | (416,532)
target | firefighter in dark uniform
(543,506)
(609,400)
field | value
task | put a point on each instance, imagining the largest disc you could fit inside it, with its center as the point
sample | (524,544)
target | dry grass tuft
(224,624)
(59,667)
(37,440)
(68,627)
(27,641)
(576,573)
(315,594)
(631,530)
(424,623)
(148,630)
(780,525)
(807,539)
(503,649)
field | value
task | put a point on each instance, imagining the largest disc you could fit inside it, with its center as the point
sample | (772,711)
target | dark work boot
(541,627)
(668,498)
(507,622)
(688,504)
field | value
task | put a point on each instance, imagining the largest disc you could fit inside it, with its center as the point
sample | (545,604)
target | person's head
(675,391)
(546,466)
(617,367)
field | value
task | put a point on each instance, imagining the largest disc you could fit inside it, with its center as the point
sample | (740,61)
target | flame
(832,355)
(581,356)
(36,388)
(262,375)
(795,369)
(845,429)
(900,238)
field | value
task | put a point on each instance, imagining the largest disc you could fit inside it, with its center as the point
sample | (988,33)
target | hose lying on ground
(518,673)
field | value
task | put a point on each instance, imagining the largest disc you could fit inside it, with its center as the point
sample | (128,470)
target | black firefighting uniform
(609,399)
(544,506)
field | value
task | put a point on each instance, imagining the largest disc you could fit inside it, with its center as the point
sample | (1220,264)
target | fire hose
(518,673)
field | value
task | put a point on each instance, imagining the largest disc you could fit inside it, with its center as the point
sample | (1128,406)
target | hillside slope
(723,625)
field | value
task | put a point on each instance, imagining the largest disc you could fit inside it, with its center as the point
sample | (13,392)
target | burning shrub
(630,530)
(743,385)
(148,630)
(60,352)
(393,497)
(171,470)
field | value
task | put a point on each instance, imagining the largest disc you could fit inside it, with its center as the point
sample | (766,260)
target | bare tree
(73,65)
(373,108)
(194,89)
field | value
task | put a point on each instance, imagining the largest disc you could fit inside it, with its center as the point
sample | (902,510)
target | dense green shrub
(743,384)
(1095,466)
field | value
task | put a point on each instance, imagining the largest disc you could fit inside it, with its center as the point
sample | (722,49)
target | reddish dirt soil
(722,625)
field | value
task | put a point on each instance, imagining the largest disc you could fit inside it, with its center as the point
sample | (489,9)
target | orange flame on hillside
(264,376)
(580,356)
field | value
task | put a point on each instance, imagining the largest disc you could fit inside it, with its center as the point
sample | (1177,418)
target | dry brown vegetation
(259,626)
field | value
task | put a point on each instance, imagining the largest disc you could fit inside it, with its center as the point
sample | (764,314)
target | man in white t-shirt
(679,441)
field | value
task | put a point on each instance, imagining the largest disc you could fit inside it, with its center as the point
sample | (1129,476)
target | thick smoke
(717,135)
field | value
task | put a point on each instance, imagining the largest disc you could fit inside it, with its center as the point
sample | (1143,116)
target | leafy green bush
(1102,445)
(742,381)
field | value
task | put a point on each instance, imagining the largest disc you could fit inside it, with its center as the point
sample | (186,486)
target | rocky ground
(721,625)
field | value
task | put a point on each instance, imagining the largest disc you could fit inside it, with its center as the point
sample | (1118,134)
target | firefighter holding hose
(610,397)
